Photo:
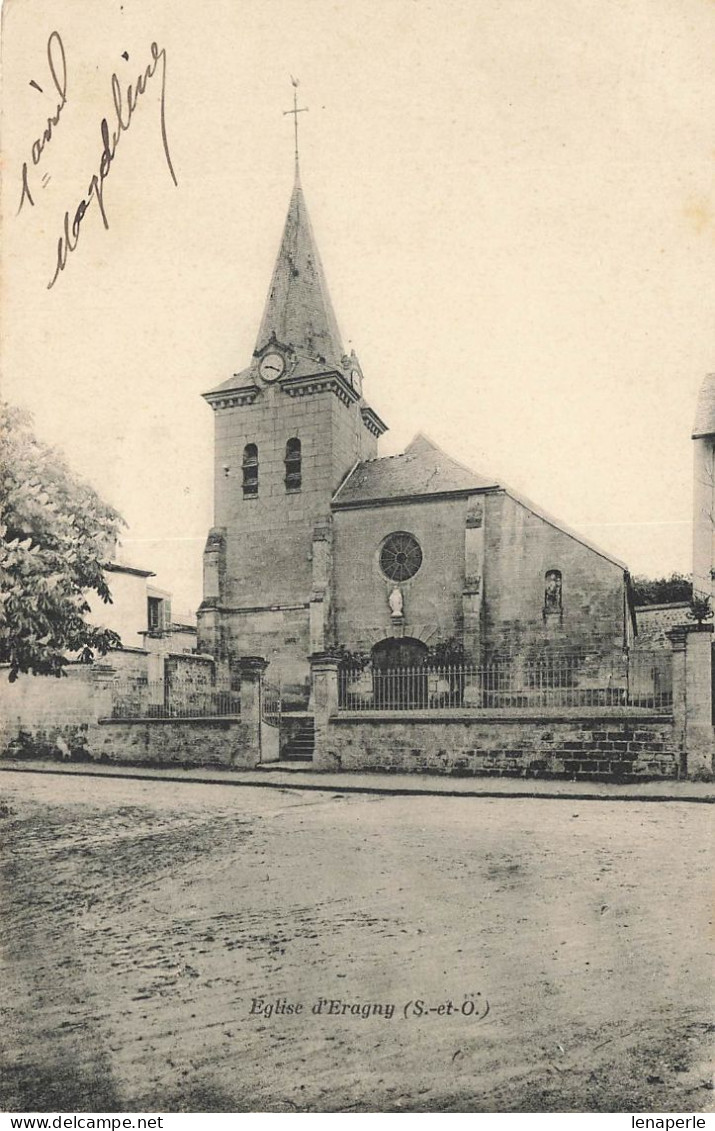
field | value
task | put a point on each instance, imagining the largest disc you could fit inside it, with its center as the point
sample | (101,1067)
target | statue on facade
(552,592)
(397,603)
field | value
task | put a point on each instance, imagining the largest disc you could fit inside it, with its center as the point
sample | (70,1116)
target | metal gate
(271,704)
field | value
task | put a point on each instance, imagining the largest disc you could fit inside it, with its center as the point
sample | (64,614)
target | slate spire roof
(298,310)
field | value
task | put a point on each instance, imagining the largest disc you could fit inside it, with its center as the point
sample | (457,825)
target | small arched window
(552,592)
(250,470)
(293,476)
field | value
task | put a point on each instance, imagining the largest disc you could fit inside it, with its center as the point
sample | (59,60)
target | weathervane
(295,112)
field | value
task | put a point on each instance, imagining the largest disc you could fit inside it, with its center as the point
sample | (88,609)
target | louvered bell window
(250,470)
(293,476)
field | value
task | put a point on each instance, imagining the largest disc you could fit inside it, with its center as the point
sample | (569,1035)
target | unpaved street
(142,919)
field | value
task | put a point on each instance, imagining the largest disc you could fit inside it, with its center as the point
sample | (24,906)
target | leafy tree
(55,535)
(662,590)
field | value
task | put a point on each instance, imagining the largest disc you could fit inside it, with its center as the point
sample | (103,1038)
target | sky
(513,201)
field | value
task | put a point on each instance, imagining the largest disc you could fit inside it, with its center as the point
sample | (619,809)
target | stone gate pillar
(103,676)
(251,669)
(324,678)
(693,695)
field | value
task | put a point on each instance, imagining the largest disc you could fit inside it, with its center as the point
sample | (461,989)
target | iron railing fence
(178,699)
(564,680)
(271,704)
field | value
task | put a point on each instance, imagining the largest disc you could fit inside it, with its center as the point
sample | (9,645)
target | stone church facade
(319,544)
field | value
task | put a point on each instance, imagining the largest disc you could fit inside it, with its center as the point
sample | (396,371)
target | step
(291,766)
(302,746)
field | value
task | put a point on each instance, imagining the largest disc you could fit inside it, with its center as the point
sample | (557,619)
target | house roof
(422,469)
(121,567)
(704,424)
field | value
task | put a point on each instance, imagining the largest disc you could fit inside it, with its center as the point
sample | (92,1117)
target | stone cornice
(372,421)
(116,567)
(247,609)
(417,497)
(332,382)
(232,398)
(680,632)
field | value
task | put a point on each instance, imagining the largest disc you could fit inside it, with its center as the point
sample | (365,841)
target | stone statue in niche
(475,515)
(552,591)
(397,604)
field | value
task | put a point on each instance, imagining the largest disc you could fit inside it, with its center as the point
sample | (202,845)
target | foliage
(662,590)
(448,653)
(701,609)
(55,534)
(351,661)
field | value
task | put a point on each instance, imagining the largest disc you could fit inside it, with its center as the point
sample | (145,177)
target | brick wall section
(174,742)
(604,748)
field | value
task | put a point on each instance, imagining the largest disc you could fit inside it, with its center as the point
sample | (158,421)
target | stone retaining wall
(175,742)
(604,747)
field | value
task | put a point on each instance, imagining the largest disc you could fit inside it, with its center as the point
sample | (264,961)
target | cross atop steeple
(295,112)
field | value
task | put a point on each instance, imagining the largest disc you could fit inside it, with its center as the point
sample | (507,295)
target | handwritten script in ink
(58,71)
(125,99)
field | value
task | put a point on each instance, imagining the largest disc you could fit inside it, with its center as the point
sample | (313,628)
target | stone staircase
(301,745)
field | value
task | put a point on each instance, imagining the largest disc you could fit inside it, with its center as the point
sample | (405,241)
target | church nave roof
(422,469)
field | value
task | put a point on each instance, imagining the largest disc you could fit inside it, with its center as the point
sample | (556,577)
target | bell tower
(288,429)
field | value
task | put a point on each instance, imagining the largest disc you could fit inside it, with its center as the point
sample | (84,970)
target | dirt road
(470,954)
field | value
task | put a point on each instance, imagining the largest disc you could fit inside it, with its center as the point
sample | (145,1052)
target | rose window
(400,556)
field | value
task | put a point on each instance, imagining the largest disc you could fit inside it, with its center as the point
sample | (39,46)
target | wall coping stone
(249,665)
(209,720)
(324,661)
(495,714)
(678,633)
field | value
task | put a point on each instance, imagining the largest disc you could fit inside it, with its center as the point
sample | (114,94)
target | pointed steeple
(298,311)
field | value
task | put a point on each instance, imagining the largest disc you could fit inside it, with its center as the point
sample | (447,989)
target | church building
(321,545)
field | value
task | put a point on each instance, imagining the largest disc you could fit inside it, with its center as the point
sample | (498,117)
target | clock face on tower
(272,367)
